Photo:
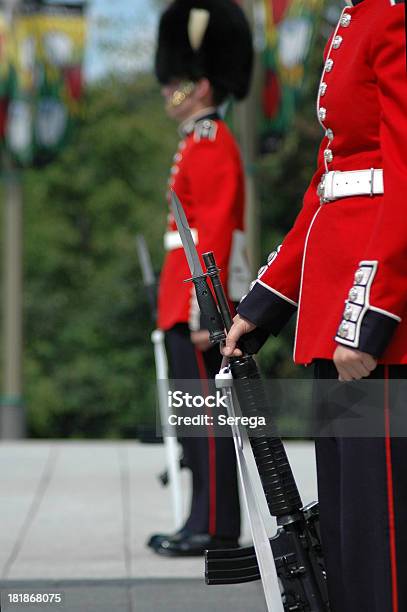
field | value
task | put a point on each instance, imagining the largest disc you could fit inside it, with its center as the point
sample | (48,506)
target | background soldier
(204,56)
(349,245)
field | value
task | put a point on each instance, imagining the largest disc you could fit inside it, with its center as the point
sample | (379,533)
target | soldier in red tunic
(204,56)
(343,268)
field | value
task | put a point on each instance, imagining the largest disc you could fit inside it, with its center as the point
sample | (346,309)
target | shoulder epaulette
(205,130)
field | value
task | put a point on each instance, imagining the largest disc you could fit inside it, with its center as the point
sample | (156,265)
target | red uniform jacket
(207,177)
(344,263)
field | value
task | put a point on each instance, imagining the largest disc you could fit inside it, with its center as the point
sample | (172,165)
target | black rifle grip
(251,343)
(207,305)
(278,481)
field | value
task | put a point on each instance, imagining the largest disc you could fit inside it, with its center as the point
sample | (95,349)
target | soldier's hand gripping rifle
(172,474)
(296,547)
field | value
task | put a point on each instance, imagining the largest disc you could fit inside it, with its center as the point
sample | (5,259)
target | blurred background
(86,150)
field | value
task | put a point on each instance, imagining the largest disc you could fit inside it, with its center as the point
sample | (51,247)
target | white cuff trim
(386,312)
(284,297)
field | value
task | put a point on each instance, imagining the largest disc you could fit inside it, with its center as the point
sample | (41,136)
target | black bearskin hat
(222,52)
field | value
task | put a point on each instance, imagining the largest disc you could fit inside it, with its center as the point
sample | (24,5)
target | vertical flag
(61,46)
(45,56)
(22,50)
(4,74)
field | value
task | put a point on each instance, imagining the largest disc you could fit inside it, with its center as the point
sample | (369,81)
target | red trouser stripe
(390,493)
(211,448)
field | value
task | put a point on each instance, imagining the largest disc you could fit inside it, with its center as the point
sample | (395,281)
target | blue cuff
(266,309)
(375,333)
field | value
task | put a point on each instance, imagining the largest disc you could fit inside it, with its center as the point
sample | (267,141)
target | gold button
(348,312)
(322,113)
(343,331)
(345,20)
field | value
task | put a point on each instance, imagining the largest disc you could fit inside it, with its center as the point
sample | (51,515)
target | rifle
(174,464)
(296,557)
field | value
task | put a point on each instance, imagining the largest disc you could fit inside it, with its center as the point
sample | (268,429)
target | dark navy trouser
(362,485)
(215,500)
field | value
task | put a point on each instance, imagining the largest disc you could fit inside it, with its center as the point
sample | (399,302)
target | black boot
(156,539)
(192,545)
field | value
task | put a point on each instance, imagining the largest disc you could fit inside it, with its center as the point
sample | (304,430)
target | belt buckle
(371,194)
(321,189)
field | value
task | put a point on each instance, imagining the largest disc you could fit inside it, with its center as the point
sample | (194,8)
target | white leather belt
(335,184)
(172,240)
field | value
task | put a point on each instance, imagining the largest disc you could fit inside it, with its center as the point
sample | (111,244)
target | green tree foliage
(89,369)
(88,359)
(282,179)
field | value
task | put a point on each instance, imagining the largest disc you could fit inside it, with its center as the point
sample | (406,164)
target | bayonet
(211,318)
(186,237)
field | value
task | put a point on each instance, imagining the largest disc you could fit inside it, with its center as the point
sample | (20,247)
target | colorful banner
(45,56)
(290,30)
(4,74)
(61,35)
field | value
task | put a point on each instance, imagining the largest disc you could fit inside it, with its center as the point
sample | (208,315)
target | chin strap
(181,94)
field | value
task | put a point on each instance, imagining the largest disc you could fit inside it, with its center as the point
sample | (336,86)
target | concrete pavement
(77,514)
